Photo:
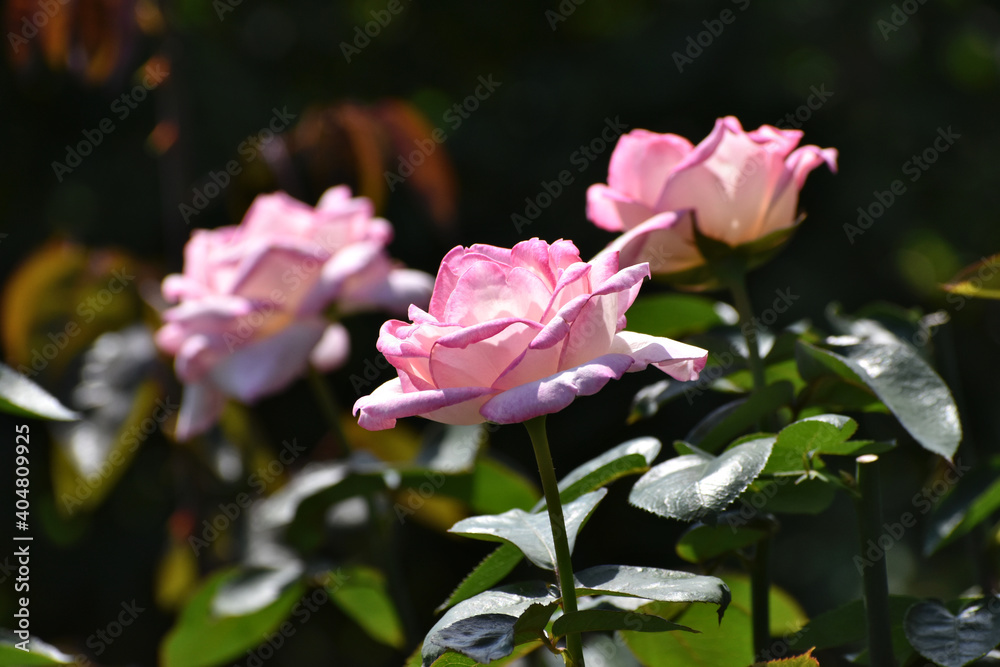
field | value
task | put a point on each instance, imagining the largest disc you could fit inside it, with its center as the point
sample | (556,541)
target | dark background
(892,91)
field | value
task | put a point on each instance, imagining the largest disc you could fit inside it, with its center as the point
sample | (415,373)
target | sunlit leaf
(201,638)
(653,584)
(20,396)
(483,627)
(361,592)
(532,533)
(699,485)
(981,279)
(901,379)
(37,653)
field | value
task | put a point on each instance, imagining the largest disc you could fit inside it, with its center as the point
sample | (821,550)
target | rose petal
(332,349)
(201,407)
(678,360)
(641,162)
(269,365)
(380,409)
(555,392)
(665,241)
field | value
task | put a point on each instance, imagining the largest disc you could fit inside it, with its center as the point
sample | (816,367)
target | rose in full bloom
(742,187)
(252,302)
(512,334)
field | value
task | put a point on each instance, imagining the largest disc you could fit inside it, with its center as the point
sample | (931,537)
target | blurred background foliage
(272,88)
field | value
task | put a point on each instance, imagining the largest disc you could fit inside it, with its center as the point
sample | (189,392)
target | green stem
(741,298)
(329,406)
(760,590)
(760,574)
(876,581)
(564,565)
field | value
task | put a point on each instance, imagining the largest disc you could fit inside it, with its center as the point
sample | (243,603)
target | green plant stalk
(564,566)
(876,581)
(741,299)
(760,573)
(760,591)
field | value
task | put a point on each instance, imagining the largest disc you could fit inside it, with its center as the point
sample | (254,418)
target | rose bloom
(741,187)
(252,298)
(515,334)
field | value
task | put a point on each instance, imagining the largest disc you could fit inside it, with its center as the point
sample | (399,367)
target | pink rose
(741,186)
(252,297)
(515,334)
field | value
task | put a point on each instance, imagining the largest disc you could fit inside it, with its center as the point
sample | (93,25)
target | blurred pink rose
(741,186)
(251,301)
(515,334)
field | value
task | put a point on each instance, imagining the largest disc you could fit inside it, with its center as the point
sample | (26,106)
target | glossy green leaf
(730,421)
(606,620)
(22,397)
(696,486)
(483,626)
(361,592)
(981,280)
(251,590)
(911,390)
(38,653)
(629,458)
(703,542)
(678,315)
(490,570)
(726,644)
(975,498)
(953,640)
(653,584)
(799,441)
(532,533)
(200,638)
